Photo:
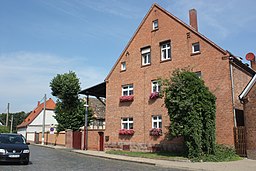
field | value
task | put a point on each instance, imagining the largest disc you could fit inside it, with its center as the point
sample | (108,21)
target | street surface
(47,159)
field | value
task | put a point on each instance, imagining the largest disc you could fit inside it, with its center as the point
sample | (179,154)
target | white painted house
(34,121)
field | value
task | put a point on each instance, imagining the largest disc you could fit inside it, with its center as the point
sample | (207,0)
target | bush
(4,129)
(222,154)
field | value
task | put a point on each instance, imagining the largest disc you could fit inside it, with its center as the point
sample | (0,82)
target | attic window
(196,47)
(123,66)
(155,24)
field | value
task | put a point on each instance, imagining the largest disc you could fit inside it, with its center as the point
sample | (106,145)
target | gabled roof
(50,105)
(248,88)
(177,20)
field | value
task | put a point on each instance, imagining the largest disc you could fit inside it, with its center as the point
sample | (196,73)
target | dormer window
(123,66)
(196,47)
(155,24)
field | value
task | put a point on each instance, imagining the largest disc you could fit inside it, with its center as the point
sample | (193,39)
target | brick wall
(250,120)
(215,72)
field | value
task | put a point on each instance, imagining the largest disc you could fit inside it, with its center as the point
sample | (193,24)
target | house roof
(50,105)
(98,90)
(98,108)
(248,88)
(190,28)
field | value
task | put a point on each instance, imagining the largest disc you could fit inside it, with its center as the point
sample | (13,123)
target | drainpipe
(233,94)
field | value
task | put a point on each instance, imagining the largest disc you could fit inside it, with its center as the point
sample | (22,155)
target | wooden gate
(77,139)
(240,140)
(101,134)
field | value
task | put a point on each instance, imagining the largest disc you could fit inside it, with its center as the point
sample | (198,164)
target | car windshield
(12,139)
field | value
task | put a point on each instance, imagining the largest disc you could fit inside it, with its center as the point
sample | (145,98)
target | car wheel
(25,162)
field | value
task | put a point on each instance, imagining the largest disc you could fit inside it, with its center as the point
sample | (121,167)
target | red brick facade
(213,62)
(250,123)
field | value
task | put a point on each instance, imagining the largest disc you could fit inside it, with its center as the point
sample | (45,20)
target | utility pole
(43,128)
(8,106)
(85,124)
(11,124)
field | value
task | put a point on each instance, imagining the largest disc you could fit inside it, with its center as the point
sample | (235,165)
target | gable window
(155,86)
(145,56)
(196,47)
(126,123)
(155,24)
(165,50)
(157,121)
(123,66)
(127,90)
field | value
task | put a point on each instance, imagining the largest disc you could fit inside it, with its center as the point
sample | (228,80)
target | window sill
(166,60)
(123,70)
(154,30)
(195,53)
(145,65)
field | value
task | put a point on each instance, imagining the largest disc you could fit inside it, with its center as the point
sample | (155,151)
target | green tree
(69,109)
(17,119)
(191,108)
(4,129)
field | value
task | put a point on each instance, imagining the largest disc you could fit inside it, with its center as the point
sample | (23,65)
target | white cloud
(25,76)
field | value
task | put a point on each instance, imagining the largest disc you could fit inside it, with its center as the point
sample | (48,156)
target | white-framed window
(166,51)
(145,56)
(155,24)
(123,66)
(196,47)
(156,121)
(127,90)
(199,74)
(155,86)
(127,123)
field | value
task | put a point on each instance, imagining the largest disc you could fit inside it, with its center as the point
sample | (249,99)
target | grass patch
(151,155)
(223,154)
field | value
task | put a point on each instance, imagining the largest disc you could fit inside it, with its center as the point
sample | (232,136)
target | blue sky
(42,38)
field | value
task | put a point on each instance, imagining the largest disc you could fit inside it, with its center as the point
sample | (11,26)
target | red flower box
(126,98)
(126,132)
(155,132)
(154,95)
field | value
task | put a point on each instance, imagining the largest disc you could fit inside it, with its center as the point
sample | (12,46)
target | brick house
(248,99)
(162,43)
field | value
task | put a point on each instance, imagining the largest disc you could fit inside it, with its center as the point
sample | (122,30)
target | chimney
(38,103)
(253,65)
(193,19)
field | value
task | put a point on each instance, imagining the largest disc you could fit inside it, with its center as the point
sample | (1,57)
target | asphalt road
(47,159)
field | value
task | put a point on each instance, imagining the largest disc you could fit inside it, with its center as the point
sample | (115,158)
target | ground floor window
(156,121)
(127,123)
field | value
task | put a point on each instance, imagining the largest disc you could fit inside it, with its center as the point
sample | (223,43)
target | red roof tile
(50,105)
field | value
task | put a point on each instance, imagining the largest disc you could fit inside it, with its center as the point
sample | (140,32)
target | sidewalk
(241,165)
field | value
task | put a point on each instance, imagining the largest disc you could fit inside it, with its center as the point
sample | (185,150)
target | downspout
(233,93)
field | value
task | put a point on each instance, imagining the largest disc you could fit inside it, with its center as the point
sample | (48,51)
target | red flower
(155,132)
(154,95)
(126,98)
(126,132)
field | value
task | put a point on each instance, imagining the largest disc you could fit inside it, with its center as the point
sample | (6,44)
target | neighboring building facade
(161,44)
(98,114)
(248,99)
(34,121)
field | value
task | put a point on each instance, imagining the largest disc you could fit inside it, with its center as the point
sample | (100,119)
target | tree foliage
(191,108)
(4,129)
(17,119)
(69,109)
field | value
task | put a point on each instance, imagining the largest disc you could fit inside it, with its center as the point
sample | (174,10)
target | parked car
(14,148)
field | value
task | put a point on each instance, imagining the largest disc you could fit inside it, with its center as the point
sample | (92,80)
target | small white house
(34,121)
